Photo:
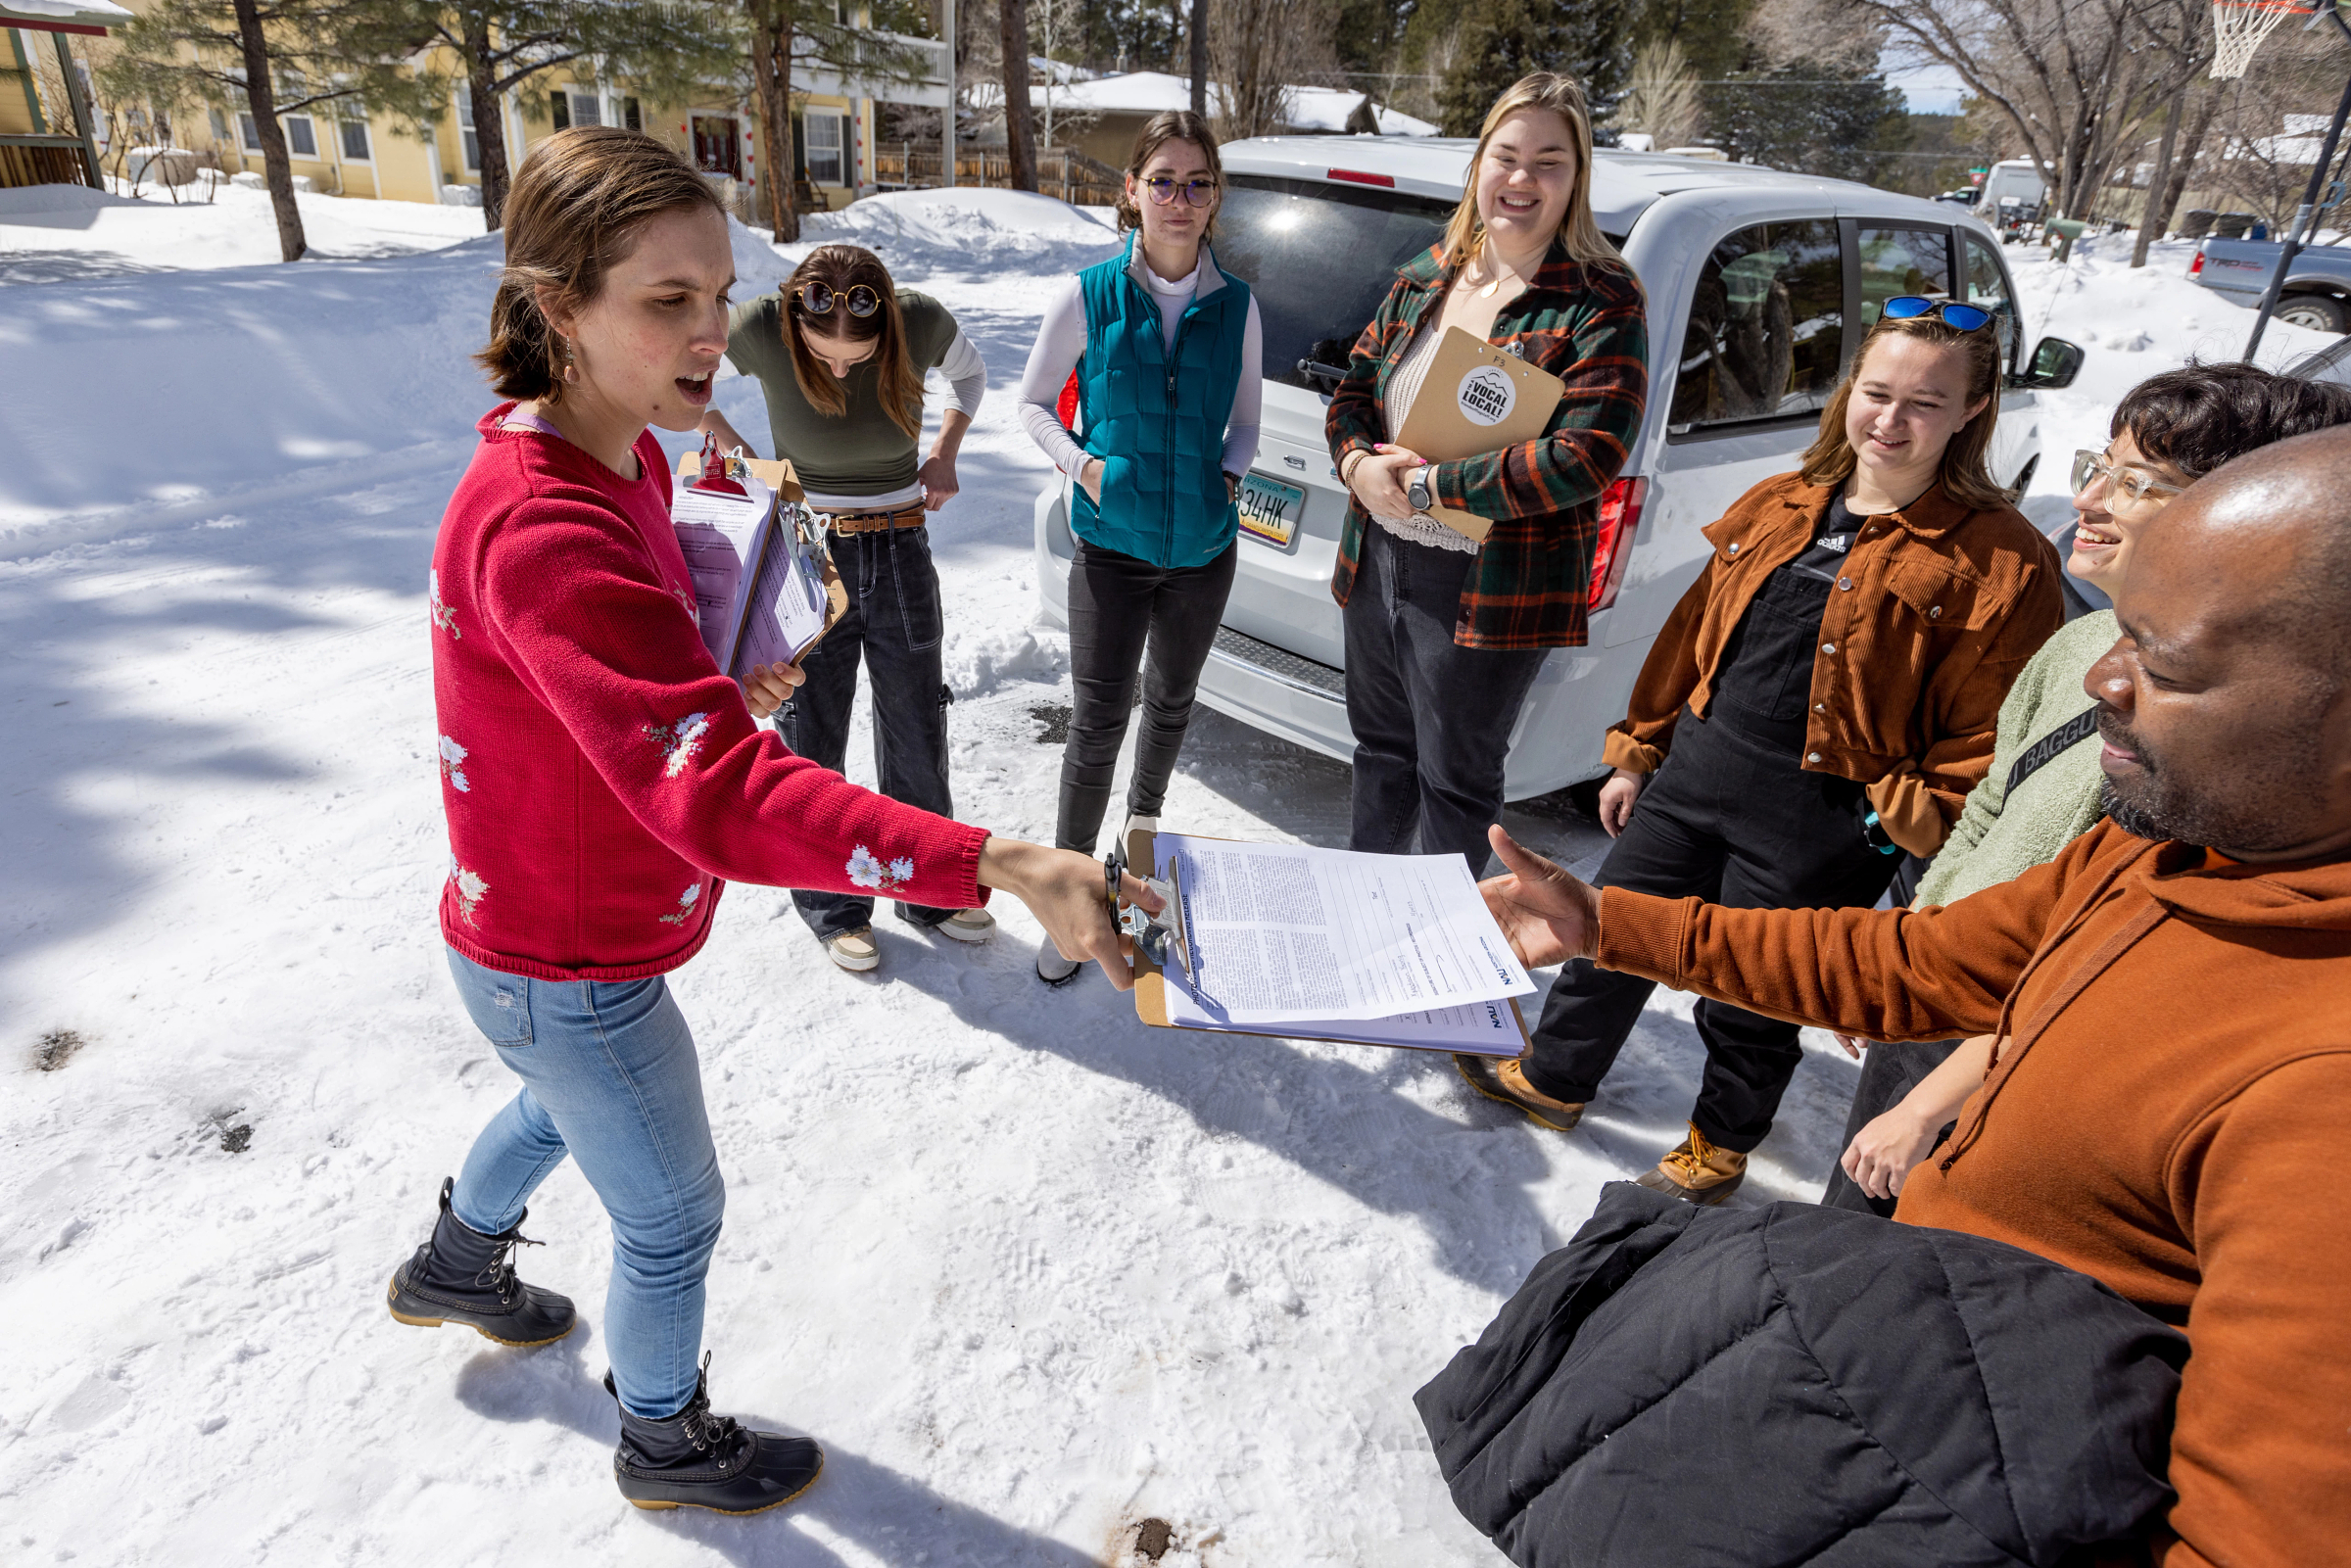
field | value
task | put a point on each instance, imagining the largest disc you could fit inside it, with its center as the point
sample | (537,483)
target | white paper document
(1320,938)
(758,585)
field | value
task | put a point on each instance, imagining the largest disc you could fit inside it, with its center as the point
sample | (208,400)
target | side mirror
(2055,363)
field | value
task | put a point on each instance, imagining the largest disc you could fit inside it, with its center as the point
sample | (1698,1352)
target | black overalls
(1732,818)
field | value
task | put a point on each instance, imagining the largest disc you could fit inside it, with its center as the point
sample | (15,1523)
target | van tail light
(1358,176)
(2196,265)
(1619,519)
(1065,407)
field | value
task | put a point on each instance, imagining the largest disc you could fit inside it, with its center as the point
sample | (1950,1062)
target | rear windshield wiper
(1315,373)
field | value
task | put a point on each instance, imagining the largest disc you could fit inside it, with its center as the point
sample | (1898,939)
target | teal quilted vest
(1155,413)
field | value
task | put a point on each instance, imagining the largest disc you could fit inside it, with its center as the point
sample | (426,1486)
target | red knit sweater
(600,775)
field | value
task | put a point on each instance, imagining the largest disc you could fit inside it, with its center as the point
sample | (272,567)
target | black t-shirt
(1764,684)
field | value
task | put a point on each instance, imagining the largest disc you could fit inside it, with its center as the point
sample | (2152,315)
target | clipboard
(1476,399)
(778,474)
(1151,986)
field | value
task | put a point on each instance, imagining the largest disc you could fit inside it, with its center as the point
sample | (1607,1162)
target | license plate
(1270,509)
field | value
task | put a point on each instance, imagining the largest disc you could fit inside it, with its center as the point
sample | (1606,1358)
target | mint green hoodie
(1996,838)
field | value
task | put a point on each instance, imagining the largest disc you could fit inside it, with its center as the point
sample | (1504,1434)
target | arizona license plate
(1270,509)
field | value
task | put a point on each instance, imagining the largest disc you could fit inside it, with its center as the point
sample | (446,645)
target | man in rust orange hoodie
(2173,995)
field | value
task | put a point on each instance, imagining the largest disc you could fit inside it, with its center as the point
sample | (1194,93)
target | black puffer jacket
(1802,1385)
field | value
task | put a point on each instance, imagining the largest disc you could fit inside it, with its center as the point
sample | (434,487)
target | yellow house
(342,150)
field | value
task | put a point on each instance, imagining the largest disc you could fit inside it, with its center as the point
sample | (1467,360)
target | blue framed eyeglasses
(1966,317)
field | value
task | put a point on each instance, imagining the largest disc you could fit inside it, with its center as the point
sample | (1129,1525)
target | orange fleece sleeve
(1894,975)
(2261,1446)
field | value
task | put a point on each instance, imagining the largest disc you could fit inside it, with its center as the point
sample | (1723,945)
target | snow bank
(241,382)
(954,229)
(56,199)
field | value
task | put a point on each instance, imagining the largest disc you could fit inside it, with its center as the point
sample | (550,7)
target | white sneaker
(1052,968)
(968,925)
(854,951)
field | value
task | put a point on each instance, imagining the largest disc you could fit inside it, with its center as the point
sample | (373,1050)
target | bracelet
(1355,461)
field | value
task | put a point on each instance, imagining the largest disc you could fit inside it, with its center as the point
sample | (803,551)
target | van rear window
(1320,258)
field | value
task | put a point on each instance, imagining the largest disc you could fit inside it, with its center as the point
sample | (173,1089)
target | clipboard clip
(722,471)
(1155,935)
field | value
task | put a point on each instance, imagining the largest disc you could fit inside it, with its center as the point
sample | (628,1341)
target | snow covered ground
(1031,1272)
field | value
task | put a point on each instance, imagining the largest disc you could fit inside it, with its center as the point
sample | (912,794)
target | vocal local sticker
(1487,396)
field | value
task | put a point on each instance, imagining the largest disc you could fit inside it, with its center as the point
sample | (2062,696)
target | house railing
(1062,171)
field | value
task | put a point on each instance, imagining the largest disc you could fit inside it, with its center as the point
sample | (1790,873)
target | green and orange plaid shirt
(1588,326)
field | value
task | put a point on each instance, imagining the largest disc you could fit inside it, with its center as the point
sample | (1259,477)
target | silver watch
(1416,493)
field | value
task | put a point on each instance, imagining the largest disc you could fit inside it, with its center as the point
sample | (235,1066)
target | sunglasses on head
(818,299)
(1966,317)
(1197,192)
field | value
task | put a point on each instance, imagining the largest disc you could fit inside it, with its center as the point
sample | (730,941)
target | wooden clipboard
(1151,985)
(778,475)
(1476,399)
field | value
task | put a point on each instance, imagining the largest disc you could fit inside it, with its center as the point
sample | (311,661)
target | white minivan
(1760,285)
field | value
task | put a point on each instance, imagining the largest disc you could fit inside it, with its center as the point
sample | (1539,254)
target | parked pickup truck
(2317,292)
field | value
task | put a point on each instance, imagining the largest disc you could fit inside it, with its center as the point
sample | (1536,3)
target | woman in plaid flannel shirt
(1444,634)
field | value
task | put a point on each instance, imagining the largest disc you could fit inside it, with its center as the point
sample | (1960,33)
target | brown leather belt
(907,516)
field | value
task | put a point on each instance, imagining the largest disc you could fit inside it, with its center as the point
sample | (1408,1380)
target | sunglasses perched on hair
(1966,317)
(818,299)
(1197,192)
(2091,466)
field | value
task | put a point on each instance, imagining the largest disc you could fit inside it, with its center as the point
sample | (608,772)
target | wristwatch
(1416,493)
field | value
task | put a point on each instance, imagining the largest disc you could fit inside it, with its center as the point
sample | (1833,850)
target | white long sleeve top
(1061,339)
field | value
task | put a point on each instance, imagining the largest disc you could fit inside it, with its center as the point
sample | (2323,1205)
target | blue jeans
(609,1075)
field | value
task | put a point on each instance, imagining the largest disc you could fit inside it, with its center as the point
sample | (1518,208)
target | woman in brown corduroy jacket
(1822,699)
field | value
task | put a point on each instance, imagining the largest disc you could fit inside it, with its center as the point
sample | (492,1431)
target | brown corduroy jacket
(2167,1117)
(1937,611)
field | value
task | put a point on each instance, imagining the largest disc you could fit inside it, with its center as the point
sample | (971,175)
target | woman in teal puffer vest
(1167,349)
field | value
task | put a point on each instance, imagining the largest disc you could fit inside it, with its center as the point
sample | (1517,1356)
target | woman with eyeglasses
(840,351)
(1167,352)
(2044,788)
(1822,699)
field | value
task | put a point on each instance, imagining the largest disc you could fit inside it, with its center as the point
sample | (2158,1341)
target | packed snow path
(1032,1273)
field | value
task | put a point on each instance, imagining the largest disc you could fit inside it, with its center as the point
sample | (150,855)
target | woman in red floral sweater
(603,780)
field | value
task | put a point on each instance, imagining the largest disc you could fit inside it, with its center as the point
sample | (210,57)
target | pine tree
(269,58)
(1590,40)
(666,51)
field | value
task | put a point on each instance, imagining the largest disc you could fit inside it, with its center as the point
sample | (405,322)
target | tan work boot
(1698,1171)
(1502,1078)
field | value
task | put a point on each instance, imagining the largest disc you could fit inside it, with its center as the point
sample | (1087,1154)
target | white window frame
(346,124)
(249,131)
(593,99)
(286,123)
(469,147)
(840,150)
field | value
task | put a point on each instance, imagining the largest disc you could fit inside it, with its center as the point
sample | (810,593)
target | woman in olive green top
(841,353)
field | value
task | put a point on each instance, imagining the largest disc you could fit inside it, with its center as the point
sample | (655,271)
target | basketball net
(2238,28)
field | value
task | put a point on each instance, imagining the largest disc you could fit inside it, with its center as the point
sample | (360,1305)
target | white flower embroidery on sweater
(687,599)
(444,618)
(470,888)
(686,903)
(867,871)
(452,765)
(679,742)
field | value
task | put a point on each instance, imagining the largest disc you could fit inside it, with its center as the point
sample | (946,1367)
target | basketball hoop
(2238,28)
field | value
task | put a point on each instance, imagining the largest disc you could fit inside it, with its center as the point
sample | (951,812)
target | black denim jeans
(1734,821)
(1120,605)
(1889,1073)
(893,624)
(1431,719)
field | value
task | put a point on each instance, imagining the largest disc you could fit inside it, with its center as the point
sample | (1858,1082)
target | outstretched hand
(1549,914)
(1065,890)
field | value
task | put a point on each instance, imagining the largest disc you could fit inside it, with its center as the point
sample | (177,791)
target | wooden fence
(1061,172)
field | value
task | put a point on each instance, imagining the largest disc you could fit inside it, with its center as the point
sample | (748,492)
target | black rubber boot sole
(408,1308)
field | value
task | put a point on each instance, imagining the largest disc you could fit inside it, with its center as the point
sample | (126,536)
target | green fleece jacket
(1996,839)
